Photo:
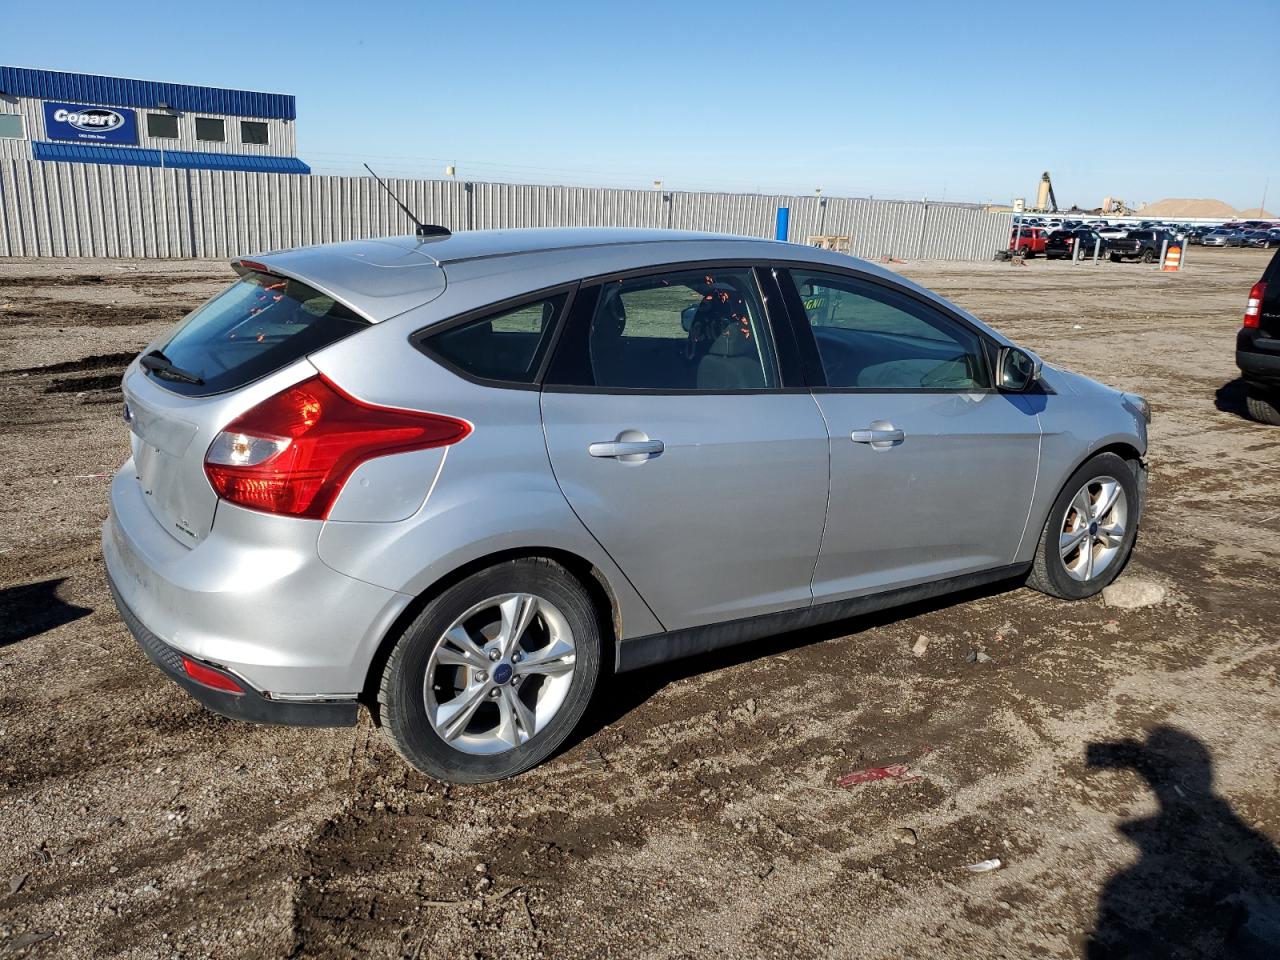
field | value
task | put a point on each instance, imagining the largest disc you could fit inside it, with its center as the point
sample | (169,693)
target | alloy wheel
(499,674)
(1093,528)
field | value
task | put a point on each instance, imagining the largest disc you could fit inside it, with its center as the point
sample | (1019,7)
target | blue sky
(965,100)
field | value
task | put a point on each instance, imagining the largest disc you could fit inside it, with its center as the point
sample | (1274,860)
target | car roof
(385,277)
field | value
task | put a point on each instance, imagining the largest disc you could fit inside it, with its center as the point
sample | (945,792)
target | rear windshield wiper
(162,366)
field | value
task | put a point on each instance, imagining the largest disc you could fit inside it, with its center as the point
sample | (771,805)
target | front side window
(871,337)
(699,329)
(209,128)
(253,131)
(11,127)
(507,346)
(162,125)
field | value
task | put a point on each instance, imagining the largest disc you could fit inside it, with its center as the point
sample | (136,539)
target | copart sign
(78,121)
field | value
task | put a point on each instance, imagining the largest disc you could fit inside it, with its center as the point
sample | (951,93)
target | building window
(207,128)
(11,127)
(162,125)
(253,131)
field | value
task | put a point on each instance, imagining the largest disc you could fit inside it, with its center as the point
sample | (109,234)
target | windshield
(257,326)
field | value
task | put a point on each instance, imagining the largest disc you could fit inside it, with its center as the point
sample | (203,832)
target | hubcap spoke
(1069,541)
(1114,534)
(1110,494)
(553,660)
(449,657)
(452,717)
(517,613)
(459,637)
(517,719)
(1084,506)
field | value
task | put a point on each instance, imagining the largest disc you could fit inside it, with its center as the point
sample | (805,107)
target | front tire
(1263,406)
(1090,531)
(493,674)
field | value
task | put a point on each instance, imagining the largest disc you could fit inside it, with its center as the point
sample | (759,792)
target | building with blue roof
(87,118)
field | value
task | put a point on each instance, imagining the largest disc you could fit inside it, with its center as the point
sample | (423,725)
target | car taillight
(292,453)
(1253,308)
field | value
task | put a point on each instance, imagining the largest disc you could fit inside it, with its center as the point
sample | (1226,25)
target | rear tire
(1086,541)
(1263,405)
(1148,256)
(518,706)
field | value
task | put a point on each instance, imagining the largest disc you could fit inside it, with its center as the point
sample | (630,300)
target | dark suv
(1258,346)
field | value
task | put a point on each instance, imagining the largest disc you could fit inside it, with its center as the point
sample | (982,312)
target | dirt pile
(1174,207)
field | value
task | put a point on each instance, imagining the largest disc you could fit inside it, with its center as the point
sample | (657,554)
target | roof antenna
(422,229)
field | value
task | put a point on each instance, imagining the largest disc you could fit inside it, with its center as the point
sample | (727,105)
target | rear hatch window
(257,326)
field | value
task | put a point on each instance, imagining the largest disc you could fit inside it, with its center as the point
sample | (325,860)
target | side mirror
(1016,370)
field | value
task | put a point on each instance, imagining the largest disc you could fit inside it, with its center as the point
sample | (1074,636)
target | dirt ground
(1122,765)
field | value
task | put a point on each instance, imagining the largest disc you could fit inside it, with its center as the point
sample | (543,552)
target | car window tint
(873,338)
(688,330)
(260,324)
(506,346)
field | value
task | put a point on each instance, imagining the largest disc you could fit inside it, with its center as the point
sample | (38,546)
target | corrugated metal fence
(96,210)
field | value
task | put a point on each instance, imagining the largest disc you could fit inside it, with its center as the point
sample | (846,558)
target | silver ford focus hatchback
(456,478)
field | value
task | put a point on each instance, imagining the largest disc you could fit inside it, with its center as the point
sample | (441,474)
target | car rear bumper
(251,705)
(253,598)
(1257,366)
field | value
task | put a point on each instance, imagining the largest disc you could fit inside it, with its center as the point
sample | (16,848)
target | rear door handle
(881,435)
(627,451)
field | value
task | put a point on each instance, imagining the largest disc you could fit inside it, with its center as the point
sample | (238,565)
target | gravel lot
(1122,764)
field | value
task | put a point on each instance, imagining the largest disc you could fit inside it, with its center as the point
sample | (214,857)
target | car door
(932,470)
(678,443)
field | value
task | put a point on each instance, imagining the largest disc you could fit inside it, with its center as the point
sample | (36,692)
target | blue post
(783,223)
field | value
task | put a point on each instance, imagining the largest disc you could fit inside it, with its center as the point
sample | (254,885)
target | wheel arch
(592,578)
(1126,450)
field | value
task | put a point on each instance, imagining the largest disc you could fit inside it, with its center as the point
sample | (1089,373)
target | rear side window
(696,330)
(507,346)
(257,326)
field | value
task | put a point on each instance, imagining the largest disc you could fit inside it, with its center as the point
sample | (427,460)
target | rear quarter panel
(490,493)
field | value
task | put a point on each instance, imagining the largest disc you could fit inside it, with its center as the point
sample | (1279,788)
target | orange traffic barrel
(1172,259)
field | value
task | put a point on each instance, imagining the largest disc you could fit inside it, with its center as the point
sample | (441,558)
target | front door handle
(881,435)
(627,451)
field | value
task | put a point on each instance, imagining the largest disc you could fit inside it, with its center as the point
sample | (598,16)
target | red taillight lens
(1253,308)
(210,677)
(292,453)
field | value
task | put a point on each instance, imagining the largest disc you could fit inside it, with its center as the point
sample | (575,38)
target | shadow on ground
(1230,398)
(31,609)
(1205,884)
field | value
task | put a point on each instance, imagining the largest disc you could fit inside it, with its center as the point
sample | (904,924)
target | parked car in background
(1262,239)
(1144,245)
(1218,237)
(1110,232)
(1258,346)
(1197,234)
(1028,241)
(1062,244)
(456,478)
